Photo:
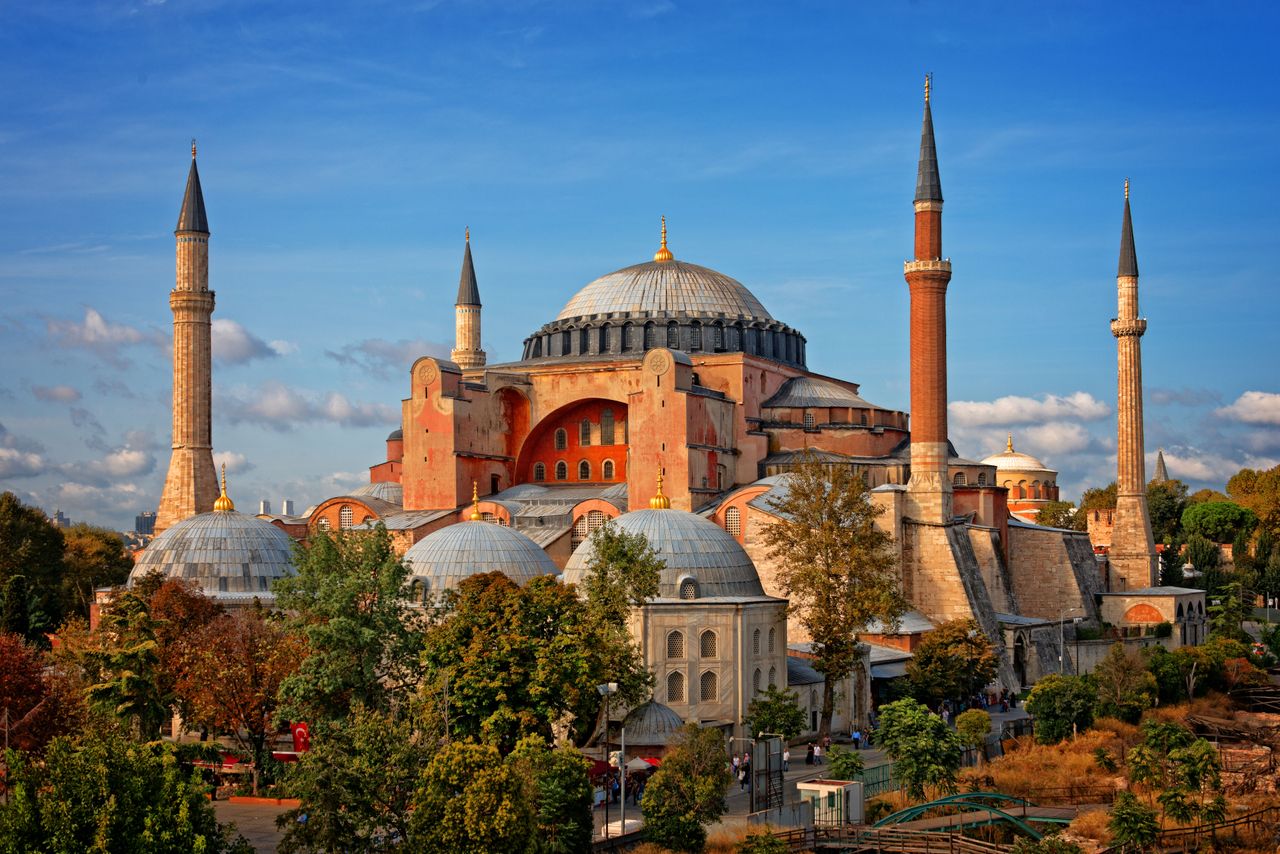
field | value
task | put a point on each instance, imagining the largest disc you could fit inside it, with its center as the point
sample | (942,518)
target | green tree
(1126,688)
(687,793)
(468,799)
(1227,613)
(843,763)
(973,726)
(350,602)
(622,573)
(358,782)
(1100,498)
(127,667)
(1218,521)
(1132,824)
(1171,562)
(30,547)
(1166,500)
(1240,552)
(1061,706)
(1163,666)
(562,790)
(1259,492)
(1202,553)
(520,659)
(924,750)
(953,662)
(837,567)
(92,557)
(1057,514)
(107,793)
(763,842)
(777,711)
(1270,570)
(1052,844)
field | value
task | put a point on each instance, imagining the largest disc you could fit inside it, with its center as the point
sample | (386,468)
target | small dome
(652,724)
(1011,460)
(441,560)
(395,435)
(227,554)
(393,493)
(665,288)
(694,549)
(805,392)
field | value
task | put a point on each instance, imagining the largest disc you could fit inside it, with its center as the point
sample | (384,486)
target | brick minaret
(929,491)
(1133,553)
(467,352)
(191,486)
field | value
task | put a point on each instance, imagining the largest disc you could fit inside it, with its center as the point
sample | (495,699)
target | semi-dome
(1011,460)
(227,554)
(666,288)
(702,560)
(392,493)
(441,560)
(652,724)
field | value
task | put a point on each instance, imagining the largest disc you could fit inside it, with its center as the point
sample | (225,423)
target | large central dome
(666,288)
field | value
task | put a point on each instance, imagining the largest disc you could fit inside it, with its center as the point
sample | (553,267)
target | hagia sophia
(666,396)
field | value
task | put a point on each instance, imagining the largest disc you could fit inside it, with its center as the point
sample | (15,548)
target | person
(744,774)
(817,754)
(786,759)
(736,762)
(808,754)
(857,739)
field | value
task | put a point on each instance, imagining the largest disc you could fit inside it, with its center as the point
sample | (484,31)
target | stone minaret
(929,491)
(467,352)
(1133,553)
(191,486)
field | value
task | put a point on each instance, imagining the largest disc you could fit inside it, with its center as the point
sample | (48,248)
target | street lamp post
(1062,644)
(607,690)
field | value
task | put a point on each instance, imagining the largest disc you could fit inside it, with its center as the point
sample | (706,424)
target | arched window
(628,341)
(982,478)
(755,642)
(1022,489)
(755,681)
(1035,489)
(808,421)
(650,336)
(606,427)
(673,336)
(675,687)
(707,644)
(675,645)
(584,341)
(733,521)
(578,535)
(537,346)
(959,479)
(604,339)
(539,472)
(566,342)
(717,337)
(562,439)
(773,677)
(773,634)
(584,470)
(584,432)
(323,524)
(688,589)
(562,470)
(607,471)
(695,336)
(345,517)
(709,687)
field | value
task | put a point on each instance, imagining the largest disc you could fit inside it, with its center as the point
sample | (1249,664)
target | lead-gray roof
(223,552)
(468,290)
(667,287)
(192,217)
(652,724)
(806,392)
(928,183)
(391,493)
(690,546)
(441,560)
(1128,254)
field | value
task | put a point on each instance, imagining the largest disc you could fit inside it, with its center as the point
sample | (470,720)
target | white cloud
(280,407)
(1014,409)
(100,335)
(235,345)
(56,393)
(1254,407)
(20,457)
(1192,464)
(1054,439)
(234,461)
(382,357)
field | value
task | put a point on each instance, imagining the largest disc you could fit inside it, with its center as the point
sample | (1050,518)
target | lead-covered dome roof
(227,554)
(666,288)
(693,548)
(441,560)
(1011,460)
(652,724)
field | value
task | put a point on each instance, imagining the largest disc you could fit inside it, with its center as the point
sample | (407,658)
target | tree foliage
(954,662)
(776,711)
(519,660)
(1202,553)
(350,602)
(1062,705)
(1100,498)
(925,751)
(1166,500)
(622,573)
(125,669)
(973,726)
(836,566)
(107,793)
(1126,688)
(31,550)
(1057,514)
(1132,824)
(1227,613)
(687,793)
(92,557)
(1259,492)
(563,794)
(469,799)
(1218,521)
(41,703)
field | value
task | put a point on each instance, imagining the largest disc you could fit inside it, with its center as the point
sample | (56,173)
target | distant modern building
(145,522)
(60,520)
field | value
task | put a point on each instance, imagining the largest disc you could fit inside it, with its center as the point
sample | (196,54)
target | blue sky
(344,148)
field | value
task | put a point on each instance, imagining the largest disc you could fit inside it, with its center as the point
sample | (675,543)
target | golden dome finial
(223,502)
(467,232)
(1008,446)
(475,504)
(1126,189)
(928,82)
(663,253)
(193,148)
(659,501)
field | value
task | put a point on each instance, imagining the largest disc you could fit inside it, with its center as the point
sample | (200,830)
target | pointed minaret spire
(1162,473)
(1128,255)
(192,217)
(467,352)
(928,183)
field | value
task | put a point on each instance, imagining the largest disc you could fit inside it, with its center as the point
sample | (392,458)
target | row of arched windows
(962,480)
(708,687)
(708,644)
(607,432)
(755,641)
(758,676)
(1034,490)
(607,470)
(780,344)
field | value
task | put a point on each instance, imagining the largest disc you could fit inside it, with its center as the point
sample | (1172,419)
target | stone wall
(1052,571)
(986,548)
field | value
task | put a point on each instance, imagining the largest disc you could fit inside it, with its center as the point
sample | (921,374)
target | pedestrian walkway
(255,822)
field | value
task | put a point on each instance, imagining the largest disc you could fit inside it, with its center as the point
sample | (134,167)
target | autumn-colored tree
(953,662)
(92,557)
(230,675)
(838,568)
(36,702)
(179,614)
(1259,491)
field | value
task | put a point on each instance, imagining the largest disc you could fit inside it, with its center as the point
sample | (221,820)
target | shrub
(1132,823)
(1062,705)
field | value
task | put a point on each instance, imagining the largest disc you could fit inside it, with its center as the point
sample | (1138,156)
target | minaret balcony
(1129,328)
(937,265)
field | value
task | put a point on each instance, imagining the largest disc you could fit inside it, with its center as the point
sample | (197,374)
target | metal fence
(877,780)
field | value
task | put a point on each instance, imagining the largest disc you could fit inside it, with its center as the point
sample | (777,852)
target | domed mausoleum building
(231,557)
(1030,482)
(712,637)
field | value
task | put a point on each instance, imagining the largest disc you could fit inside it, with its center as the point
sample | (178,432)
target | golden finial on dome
(659,501)
(928,80)
(467,232)
(1126,189)
(1008,446)
(193,148)
(475,504)
(223,503)
(663,253)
